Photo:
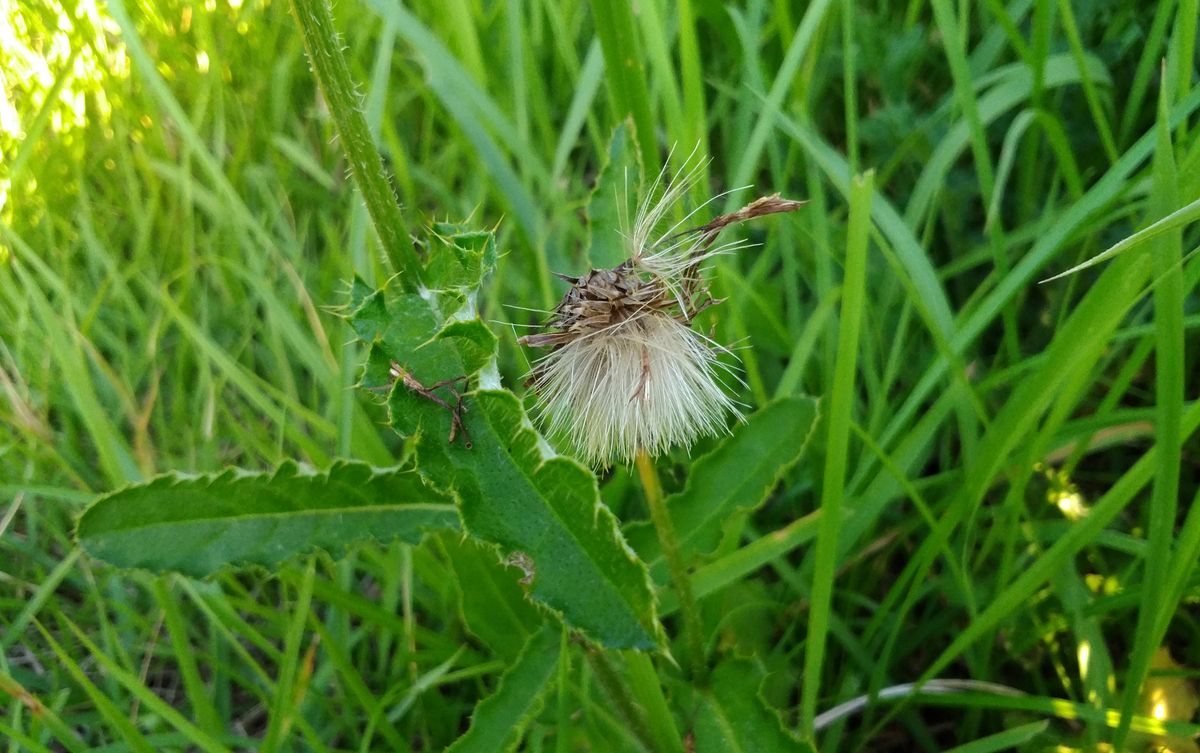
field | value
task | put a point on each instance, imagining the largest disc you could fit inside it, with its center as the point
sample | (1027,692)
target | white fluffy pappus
(647,384)
(626,373)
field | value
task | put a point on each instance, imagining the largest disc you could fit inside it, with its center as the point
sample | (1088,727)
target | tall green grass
(171,271)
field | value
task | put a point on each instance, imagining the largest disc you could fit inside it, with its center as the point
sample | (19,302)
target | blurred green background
(177,231)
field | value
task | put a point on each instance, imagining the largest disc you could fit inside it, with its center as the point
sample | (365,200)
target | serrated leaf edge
(288,468)
(599,511)
(707,458)
(535,705)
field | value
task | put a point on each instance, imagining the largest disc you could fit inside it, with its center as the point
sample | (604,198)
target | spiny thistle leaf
(198,524)
(733,479)
(491,599)
(469,435)
(500,719)
(459,258)
(734,717)
(475,341)
(548,509)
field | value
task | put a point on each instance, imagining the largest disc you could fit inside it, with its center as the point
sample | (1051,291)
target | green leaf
(150,701)
(1176,220)
(613,202)
(837,442)
(625,71)
(546,511)
(493,604)
(476,343)
(500,719)
(542,509)
(108,711)
(1167,253)
(198,524)
(459,257)
(734,718)
(735,478)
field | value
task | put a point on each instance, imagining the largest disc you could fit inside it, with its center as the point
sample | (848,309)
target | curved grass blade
(196,737)
(611,207)
(1169,378)
(626,74)
(1176,220)
(1068,545)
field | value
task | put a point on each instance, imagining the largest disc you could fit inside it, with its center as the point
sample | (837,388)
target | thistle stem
(366,164)
(661,516)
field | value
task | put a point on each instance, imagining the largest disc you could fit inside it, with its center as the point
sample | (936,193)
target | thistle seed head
(626,373)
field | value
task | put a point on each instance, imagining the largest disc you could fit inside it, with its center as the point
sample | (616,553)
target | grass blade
(196,736)
(1167,254)
(837,448)
(627,74)
(46,716)
(1009,738)
(108,710)
(1176,220)
(1009,600)
(198,694)
(293,671)
(964,93)
(647,692)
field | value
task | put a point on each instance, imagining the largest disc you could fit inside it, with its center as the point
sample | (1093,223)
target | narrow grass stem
(841,405)
(562,739)
(626,74)
(609,679)
(366,165)
(1167,254)
(665,529)
(647,692)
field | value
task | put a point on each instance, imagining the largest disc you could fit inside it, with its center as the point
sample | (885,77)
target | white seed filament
(647,384)
(626,373)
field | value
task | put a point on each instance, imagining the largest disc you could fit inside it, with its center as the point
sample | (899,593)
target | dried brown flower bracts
(626,372)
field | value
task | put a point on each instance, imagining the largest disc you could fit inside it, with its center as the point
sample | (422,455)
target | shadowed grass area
(1013,465)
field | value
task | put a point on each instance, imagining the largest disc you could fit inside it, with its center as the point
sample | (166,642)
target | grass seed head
(626,372)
